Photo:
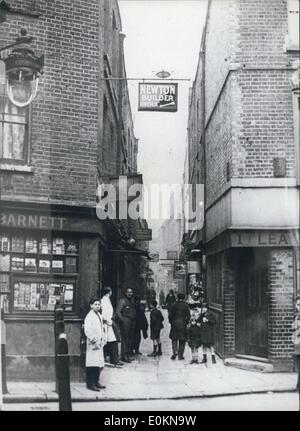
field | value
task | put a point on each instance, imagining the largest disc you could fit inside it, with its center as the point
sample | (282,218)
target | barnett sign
(158,97)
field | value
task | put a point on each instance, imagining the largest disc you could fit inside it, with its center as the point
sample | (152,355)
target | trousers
(127,333)
(178,346)
(111,350)
(92,375)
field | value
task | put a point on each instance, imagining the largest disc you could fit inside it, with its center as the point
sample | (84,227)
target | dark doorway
(252,302)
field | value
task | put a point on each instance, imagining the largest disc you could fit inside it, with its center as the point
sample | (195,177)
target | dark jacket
(207,328)
(125,309)
(194,336)
(170,300)
(141,323)
(179,315)
(156,319)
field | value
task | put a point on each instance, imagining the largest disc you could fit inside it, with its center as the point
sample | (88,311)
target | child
(207,321)
(194,339)
(156,319)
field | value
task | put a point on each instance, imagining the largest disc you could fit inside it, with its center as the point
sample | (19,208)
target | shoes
(204,360)
(153,354)
(180,358)
(138,353)
(196,361)
(192,361)
(120,363)
(159,352)
(98,385)
(173,357)
(126,360)
(118,366)
(93,388)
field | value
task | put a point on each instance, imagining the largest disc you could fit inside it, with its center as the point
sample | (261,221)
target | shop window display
(29,271)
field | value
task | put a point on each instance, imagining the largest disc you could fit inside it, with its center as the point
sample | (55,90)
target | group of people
(104,329)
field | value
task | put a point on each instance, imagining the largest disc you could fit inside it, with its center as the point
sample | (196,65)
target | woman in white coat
(111,347)
(94,331)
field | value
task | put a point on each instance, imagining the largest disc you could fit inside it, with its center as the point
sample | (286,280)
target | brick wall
(228,305)
(281,309)
(65,111)
(249,115)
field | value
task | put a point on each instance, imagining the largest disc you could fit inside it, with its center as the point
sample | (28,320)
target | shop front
(48,255)
(252,284)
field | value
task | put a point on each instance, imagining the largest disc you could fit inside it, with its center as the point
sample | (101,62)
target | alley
(161,378)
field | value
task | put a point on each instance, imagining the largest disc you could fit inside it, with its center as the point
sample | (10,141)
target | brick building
(243,141)
(53,154)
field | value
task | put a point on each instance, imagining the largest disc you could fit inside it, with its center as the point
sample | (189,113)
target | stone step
(250,365)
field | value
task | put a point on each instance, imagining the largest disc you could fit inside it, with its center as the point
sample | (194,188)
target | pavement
(149,378)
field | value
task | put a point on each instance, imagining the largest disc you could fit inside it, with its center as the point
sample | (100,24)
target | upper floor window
(13,132)
(292,39)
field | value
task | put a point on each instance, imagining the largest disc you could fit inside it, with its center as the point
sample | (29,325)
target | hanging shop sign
(158,97)
(179,269)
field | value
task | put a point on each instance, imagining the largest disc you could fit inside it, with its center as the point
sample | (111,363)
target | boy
(207,322)
(156,319)
(194,339)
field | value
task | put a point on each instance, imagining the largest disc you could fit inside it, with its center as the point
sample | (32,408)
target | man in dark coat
(170,300)
(179,317)
(126,315)
(141,324)
(207,321)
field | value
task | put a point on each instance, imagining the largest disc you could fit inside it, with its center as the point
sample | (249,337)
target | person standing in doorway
(111,348)
(156,325)
(179,317)
(141,325)
(94,331)
(126,316)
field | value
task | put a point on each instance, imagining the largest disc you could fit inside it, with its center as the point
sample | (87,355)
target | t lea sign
(158,97)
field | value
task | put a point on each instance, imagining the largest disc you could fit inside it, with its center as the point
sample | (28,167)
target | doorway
(252,302)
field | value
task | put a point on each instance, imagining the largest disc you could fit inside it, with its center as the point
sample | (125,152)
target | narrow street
(150,383)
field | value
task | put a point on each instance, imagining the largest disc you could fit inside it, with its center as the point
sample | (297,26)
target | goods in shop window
(4,262)
(45,246)
(71,247)
(57,266)
(69,294)
(4,243)
(5,303)
(30,265)
(71,264)
(44,265)
(17,244)
(31,245)
(58,246)
(4,283)
(17,263)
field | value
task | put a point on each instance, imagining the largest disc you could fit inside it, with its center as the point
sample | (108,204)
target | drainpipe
(120,99)
(203,122)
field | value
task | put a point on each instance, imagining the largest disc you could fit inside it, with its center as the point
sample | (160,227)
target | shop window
(292,39)
(13,132)
(37,271)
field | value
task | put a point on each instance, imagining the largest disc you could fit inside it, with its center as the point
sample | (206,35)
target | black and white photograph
(149,208)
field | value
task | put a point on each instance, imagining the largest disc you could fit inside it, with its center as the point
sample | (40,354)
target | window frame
(27,144)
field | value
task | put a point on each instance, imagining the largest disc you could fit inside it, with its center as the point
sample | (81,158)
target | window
(36,271)
(292,39)
(13,132)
